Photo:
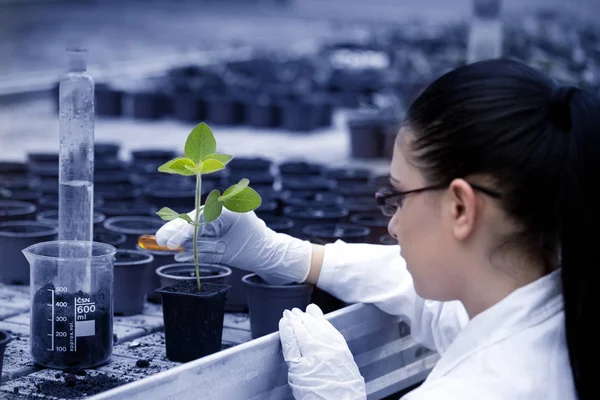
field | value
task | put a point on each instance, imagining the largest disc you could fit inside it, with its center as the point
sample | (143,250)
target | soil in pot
(279,224)
(90,350)
(14,237)
(171,274)
(311,199)
(132,273)
(307,183)
(266,302)
(302,168)
(127,209)
(303,217)
(193,319)
(161,257)
(75,385)
(133,227)
(12,210)
(5,338)
(114,239)
(377,222)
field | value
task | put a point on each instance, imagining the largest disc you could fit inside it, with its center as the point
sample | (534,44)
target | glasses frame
(382,197)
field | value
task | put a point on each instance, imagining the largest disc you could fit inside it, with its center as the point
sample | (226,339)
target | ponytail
(579,227)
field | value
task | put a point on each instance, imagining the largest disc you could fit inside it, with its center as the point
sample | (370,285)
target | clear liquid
(76,210)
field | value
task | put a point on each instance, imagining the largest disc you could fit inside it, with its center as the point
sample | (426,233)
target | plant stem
(196,220)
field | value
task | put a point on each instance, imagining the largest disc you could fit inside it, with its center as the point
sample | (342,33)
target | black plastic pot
(246,164)
(50,217)
(278,224)
(20,182)
(307,183)
(143,105)
(13,168)
(105,179)
(224,110)
(377,222)
(171,274)
(302,168)
(5,338)
(11,210)
(152,156)
(356,189)
(311,199)
(303,217)
(14,237)
(258,180)
(127,208)
(366,140)
(48,186)
(268,207)
(161,257)
(262,115)
(300,115)
(266,302)
(131,276)
(345,175)
(176,199)
(42,157)
(388,240)
(104,151)
(107,101)
(193,319)
(114,239)
(188,107)
(358,205)
(45,171)
(104,165)
(329,233)
(133,227)
(28,195)
(119,192)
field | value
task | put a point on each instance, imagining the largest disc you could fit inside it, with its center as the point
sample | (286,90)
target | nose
(391,226)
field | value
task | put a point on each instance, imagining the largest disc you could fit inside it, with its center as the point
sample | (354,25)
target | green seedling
(200,159)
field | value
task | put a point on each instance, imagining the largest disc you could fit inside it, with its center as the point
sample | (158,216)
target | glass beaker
(71,294)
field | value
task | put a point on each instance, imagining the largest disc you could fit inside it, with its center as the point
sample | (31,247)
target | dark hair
(540,145)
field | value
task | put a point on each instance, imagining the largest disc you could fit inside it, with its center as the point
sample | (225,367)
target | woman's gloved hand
(320,363)
(250,245)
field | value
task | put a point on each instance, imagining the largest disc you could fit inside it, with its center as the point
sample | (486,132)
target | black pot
(119,192)
(244,165)
(161,257)
(388,240)
(268,207)
(104,165)
(377,222)
(307,184)
(358,205)
(176,199)
(112,238)
(104,180)
(188,107)
(28,195)
(107,101)
(300,116)
(144,105)
(366,140)
(356,189)
(133,227)
(20,182)
(41,157)
(303,217)
(302,168)
(152,156)
(329,233)
(266,302)
(12,168)
(193,319)
(11,210)
(278,224)
(262,115)
(224,110)
(126,208)
(311,199)
(50,217)
(258,181)
(5,338)
(345,175)
(131,275)
(49,186)
(45,171)
(14,237)
(171,274)
(104,151)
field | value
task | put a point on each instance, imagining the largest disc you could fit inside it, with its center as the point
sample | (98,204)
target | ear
(463,208)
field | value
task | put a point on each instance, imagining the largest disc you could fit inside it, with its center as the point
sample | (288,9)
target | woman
(493,187)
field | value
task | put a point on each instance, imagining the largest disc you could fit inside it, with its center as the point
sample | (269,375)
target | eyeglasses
(390,200)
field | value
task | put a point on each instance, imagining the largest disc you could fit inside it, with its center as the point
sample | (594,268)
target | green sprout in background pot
(200,159)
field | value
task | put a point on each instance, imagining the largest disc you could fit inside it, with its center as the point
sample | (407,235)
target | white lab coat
(514,350)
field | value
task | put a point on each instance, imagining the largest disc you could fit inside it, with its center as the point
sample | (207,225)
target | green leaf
(179,166)
(224,158)
(210,166)
(212,207)
(200,143)
(168,215)
(244,201)
(235,189)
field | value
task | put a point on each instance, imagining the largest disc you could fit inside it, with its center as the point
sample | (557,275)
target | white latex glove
(320,363)
(250,245)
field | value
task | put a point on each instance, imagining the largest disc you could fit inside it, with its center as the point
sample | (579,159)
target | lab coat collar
(525,307)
